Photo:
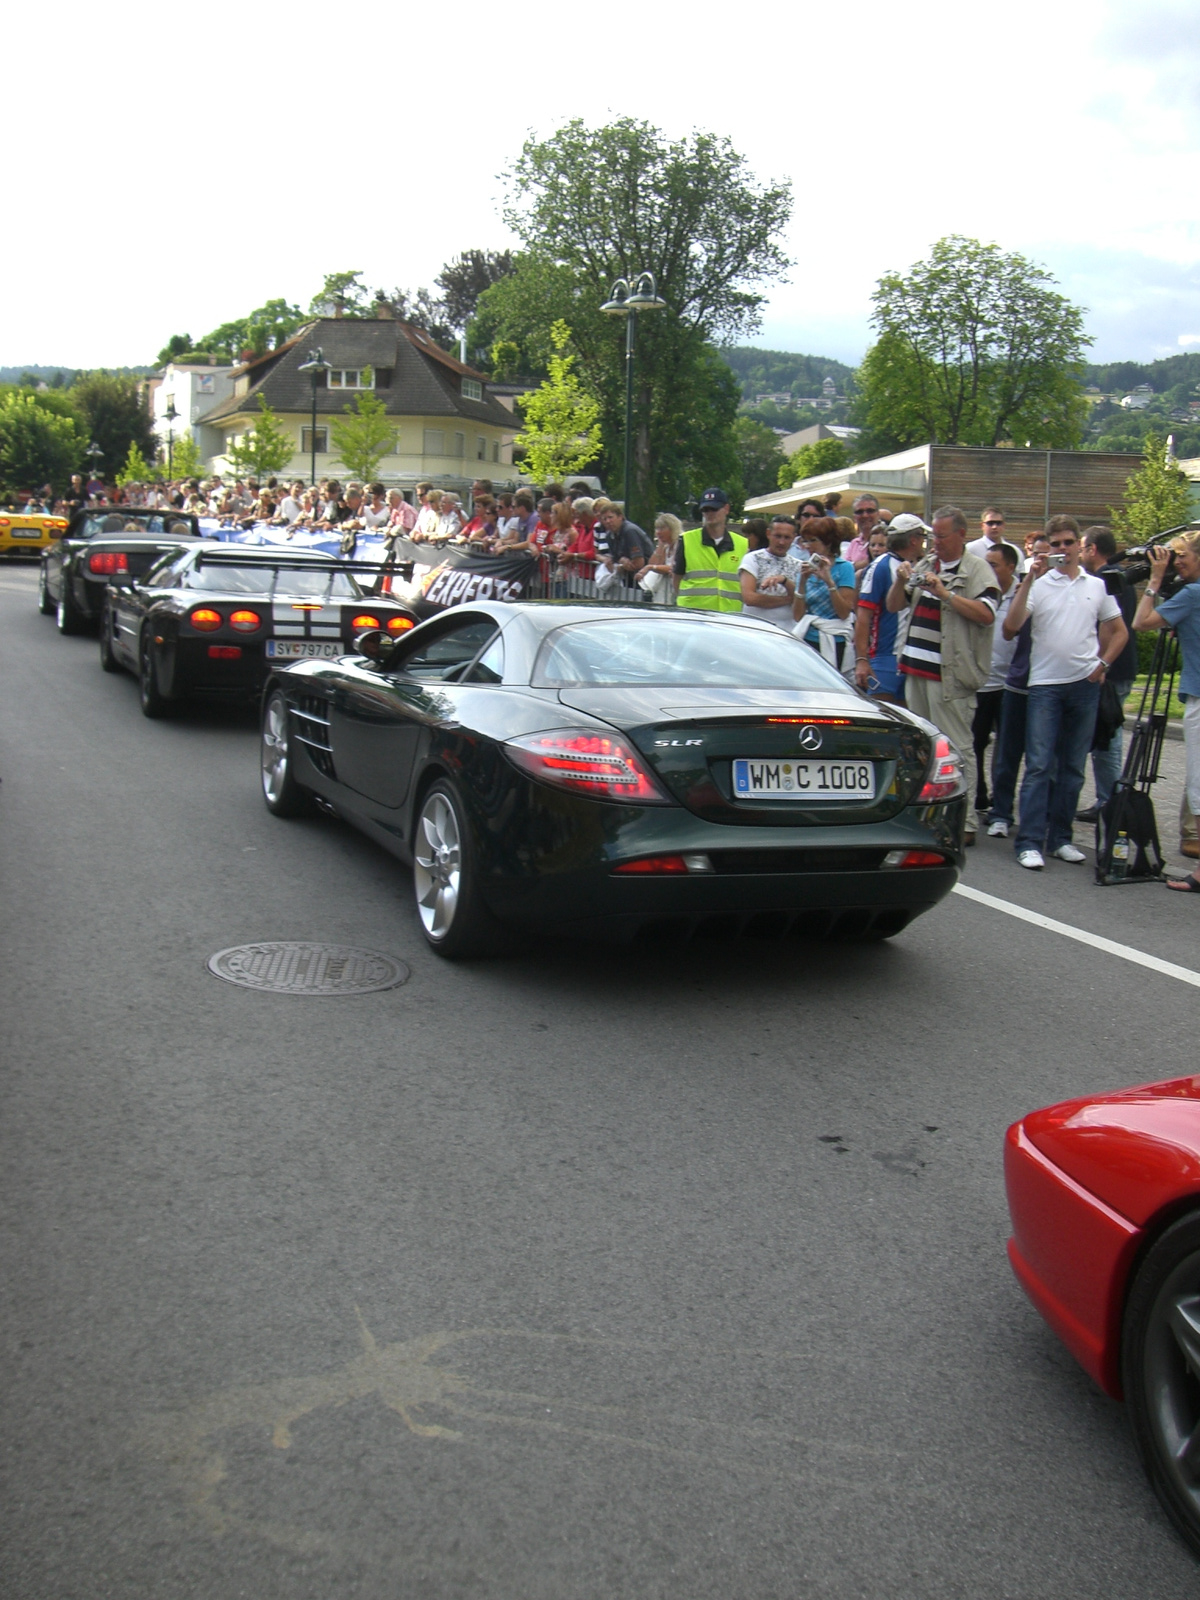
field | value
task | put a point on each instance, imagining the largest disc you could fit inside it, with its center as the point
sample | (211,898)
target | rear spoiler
(255,556)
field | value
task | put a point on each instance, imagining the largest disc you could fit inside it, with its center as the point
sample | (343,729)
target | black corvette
(603,770)
(102,543)
(214,618)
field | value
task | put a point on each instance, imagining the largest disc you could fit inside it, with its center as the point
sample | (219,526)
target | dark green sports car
(604,770)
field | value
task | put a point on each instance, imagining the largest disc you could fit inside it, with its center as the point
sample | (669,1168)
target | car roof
(546,615)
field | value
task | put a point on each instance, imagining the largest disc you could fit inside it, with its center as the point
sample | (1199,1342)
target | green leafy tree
(265,328)
(594,205)
(1157,496)
(37,445)
(822,455)
(179,344)
(136,469)
(561,432)
(115,416)
(341,292)
(505,358)
(264,449)
(465,278)
(975,348)
(363,436)
(183,460)
(759,455)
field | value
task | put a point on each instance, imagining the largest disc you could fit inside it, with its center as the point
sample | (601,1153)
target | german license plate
(27,533)
(304,649)
(804,780)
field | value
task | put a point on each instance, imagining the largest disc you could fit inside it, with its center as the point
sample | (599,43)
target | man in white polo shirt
(1076,633)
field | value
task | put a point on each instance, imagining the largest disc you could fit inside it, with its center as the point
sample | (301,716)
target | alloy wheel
(437,865)
(274,751)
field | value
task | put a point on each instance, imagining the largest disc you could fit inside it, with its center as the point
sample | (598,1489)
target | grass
(1174,706)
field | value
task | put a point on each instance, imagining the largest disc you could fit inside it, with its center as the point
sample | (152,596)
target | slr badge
(810,738)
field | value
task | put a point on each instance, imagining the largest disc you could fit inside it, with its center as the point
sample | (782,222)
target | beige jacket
(966,646)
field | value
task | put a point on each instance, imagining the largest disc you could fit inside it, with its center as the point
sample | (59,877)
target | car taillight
(244,621)
(597,764)
(108,562)
(5,523)
(945,778)
(914,858)
(664,866)
(399,624)
(205,619)
(365,620)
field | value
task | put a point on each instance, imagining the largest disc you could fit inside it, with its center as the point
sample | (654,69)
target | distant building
(792,442)
(1030,485)
(829,389)
(449,426)
(1139,399)
(192,390)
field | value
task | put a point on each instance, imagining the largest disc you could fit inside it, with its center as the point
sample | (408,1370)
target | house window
(351,378)
(480,447)
(472,389)
(495,449)
(434,442)
(306,441)
(460,444)
(204,384)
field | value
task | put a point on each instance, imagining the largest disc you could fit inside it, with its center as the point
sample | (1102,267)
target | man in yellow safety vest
(707,559)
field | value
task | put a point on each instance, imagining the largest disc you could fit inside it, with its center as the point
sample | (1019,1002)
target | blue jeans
(1009,752)
(1106,764)
(1061,720)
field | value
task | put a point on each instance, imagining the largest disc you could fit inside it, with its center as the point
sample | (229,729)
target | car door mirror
(377,645)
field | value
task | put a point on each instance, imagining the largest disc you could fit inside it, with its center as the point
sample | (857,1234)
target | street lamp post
(94,454)
(170,414)
(316,363)
(626,302)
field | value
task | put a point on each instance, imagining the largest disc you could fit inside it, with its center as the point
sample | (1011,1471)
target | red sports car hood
(1137,1150)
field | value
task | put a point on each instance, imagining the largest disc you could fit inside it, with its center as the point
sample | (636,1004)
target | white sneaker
(1069,852)
(997,829)
(1031,859)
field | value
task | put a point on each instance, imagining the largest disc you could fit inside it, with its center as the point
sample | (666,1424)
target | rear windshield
(270,580)
(107,523)
(672,652)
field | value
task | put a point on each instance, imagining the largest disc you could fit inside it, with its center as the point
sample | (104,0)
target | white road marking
(20,588)
(1125,951)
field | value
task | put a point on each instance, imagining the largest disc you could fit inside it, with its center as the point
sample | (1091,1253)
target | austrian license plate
(804,780)
(26,533)
(304,649)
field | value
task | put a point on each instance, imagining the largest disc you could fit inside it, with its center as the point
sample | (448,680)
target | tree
(341,292)
(183,460)
(591,206)
(1157,496)
(364,436)
(974,348)
(266,448)
(179,344)
(465,278)
(37,445)
(114,416)
(759,454)
(266,328)
(822,455)
(136,469)
(561,432)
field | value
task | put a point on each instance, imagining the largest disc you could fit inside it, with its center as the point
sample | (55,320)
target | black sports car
(214,618)
(102,543)
(600,769)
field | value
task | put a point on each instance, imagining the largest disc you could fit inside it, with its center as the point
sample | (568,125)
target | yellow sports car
(29,535)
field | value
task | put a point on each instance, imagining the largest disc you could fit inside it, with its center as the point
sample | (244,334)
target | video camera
(1135,566)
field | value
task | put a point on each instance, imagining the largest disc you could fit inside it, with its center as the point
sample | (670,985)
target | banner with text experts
(463,576)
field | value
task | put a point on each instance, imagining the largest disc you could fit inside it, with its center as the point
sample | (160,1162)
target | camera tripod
(1127,845)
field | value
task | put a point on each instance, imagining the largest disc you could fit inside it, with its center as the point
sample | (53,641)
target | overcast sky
(176,167)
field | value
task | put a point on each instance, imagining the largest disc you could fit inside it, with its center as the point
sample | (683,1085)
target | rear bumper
(1071,1254)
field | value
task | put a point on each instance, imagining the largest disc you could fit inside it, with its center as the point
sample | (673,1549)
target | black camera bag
(1129,811)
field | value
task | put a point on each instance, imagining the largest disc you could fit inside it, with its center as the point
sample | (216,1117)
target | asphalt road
(582,1272)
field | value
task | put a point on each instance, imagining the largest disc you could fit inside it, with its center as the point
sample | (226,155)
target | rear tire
(154,703)
(45,604)
(450,909)
(1160,1371)
(284,797)
(70,618)
(108,661)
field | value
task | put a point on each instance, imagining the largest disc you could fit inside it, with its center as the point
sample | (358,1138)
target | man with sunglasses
(1076,633)
(992,522)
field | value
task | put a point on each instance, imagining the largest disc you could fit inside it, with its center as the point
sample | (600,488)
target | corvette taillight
(914,858)
(244,621)
(399,624)
(597,764)
(206,619)
(364,620)
(108,562)
(945,778)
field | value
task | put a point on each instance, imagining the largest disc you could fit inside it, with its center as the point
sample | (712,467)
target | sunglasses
(1061,544)
(990,524)
(866,513)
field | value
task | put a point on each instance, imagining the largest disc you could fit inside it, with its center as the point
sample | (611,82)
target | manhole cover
(290,966)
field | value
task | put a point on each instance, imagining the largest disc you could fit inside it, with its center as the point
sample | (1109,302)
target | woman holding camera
(1180,611)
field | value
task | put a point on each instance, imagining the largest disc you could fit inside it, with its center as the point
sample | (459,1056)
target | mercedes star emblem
(810,738)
